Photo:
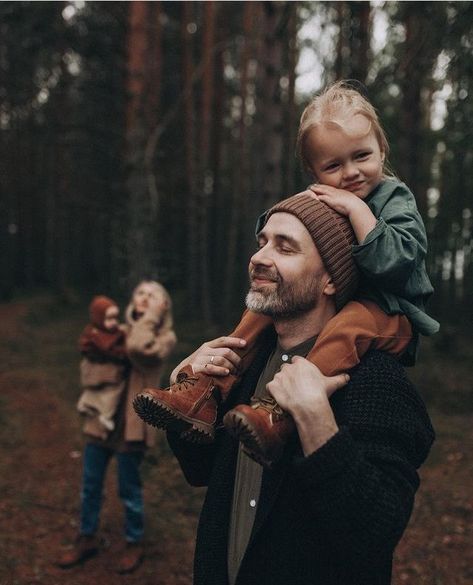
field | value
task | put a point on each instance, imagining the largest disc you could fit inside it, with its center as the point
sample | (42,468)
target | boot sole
(241,429)
(162,416)
(81,560)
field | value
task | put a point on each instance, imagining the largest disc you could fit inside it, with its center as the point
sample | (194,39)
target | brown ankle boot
(131,558)
(84,548)
(188,407)
(263,429)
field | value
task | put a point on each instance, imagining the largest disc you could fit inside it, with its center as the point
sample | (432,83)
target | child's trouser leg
(263,428)
(358,327)
(249,328)
(189,406)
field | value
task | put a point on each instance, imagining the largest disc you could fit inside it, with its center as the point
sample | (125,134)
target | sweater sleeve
(196,461)
(360,485)
(396,246)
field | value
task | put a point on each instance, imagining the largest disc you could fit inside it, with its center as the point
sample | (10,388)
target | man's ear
(329,288)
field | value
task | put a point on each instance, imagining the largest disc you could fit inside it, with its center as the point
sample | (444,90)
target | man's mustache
(265,274)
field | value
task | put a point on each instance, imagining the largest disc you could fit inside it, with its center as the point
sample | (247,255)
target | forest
(143,139)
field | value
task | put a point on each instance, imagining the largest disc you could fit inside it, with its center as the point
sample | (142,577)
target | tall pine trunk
(191,219)
(206,188)
(141,208)
(238,205)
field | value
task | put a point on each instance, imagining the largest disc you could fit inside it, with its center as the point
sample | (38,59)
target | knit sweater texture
(334,517)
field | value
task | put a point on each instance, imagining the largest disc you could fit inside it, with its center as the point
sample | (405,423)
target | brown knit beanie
(98,308)
(333,237)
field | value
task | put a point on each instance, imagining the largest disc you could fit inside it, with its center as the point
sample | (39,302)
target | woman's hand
(215,357)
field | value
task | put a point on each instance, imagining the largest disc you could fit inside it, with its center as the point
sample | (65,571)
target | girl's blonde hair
(335,104)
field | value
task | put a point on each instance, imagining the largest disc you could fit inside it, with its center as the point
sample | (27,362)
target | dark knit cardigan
(334,517)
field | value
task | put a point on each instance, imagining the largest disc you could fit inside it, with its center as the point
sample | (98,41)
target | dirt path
(40,471)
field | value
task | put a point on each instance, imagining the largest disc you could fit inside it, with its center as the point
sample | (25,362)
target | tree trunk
(206,189)
(238,206)
(269,106)
(192,268)
(415,69)
(341,41)
(293,54)
(142,212)
(360,20)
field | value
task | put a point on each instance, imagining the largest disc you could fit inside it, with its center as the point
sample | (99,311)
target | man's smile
(262,278)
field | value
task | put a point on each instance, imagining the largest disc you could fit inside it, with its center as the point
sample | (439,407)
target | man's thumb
(337,382)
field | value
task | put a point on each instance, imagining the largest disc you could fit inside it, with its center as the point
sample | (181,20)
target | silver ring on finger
(212,359)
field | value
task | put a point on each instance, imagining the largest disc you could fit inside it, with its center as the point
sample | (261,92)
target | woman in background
(150,339)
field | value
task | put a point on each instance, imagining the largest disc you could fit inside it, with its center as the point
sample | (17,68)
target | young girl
(343,145)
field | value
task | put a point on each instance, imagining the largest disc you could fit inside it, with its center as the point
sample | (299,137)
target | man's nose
(261,256)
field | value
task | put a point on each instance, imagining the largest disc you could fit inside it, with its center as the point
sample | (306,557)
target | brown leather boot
(131,558)
(188,407)
(84,548)
(263,429)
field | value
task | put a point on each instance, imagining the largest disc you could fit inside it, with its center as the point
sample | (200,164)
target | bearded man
(333,508)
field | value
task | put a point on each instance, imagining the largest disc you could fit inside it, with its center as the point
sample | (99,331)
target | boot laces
(183,383)
(269,404)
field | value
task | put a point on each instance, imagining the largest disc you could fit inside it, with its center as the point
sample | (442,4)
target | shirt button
(252,503)
(285,357)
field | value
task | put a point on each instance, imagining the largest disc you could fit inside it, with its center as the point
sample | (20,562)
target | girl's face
(346,157)
(142,296)
(110,321)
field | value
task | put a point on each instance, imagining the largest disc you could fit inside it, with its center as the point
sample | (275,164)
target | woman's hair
(159,292)
(337,103)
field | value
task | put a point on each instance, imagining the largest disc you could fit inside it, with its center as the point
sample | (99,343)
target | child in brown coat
(103,366)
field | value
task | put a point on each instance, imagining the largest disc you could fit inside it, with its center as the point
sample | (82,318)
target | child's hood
(97,309)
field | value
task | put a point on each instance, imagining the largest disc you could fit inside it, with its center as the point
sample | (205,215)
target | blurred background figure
(149,338)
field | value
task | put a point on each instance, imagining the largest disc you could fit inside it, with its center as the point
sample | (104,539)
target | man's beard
(285,300)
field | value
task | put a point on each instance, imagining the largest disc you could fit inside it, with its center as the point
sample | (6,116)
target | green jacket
(392,260)
(392,257)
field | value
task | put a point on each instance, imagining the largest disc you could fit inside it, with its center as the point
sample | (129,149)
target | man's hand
(301,389)
(215,357)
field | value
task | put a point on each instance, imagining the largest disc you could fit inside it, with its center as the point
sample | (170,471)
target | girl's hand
(215,357)
(338,199)
(348,204)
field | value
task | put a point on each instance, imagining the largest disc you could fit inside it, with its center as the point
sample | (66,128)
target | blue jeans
(96,460)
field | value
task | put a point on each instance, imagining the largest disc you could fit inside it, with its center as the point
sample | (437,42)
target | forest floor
(40,470)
